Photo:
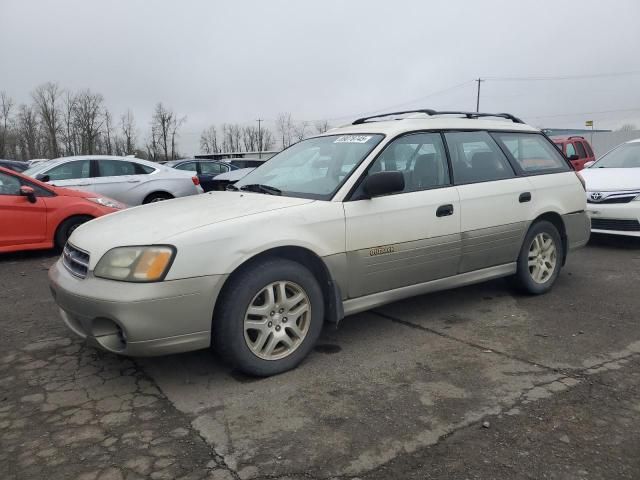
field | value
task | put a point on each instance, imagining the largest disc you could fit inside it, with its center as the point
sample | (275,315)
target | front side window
(420,157)
(70,170)
(476,157)
(211,168)
(9,185)
(570,150)
(532,152)
(188,167)
(313,168)
(626,155)
(580,149)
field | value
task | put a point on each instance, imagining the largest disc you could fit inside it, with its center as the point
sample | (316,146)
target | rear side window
(212,168)
(188,167)
(587,147)
(118,168)
(476,157)
(580,149)
(532,152)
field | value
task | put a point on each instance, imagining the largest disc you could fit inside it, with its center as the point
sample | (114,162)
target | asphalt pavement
(477,382)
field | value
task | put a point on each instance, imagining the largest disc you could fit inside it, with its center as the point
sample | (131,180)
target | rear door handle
(444,210)
(525,197)
(133,181)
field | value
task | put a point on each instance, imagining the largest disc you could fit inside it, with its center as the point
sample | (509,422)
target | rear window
(532,152)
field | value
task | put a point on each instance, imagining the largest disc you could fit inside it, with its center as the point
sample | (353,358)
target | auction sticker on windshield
(353,139)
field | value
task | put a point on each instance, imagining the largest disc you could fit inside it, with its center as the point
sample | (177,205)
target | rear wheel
(157,197)
(66,228)
(540,258)
(269,317)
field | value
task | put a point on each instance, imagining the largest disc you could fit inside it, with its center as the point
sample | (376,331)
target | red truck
(576,149)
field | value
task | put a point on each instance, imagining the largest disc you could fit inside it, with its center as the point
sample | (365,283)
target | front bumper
(137,319)
(612,212)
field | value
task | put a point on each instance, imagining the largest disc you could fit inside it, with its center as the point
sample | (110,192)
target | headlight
(107,202)
(136,264)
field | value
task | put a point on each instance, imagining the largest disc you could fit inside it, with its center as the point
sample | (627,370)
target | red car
(576,149)
(34,215)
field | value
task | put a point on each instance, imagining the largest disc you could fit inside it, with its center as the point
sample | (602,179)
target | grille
(612,197)
(75,260)
(621,225)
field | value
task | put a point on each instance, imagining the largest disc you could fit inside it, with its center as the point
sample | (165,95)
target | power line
(583,113)
(536,78)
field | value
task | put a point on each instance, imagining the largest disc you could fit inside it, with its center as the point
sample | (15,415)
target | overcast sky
(236,61)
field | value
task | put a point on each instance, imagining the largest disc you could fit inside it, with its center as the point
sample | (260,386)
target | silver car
(127,179)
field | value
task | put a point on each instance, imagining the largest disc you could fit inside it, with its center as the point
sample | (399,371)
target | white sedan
(129,180)
(613,191)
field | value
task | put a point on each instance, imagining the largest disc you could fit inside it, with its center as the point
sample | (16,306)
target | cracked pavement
(398,392)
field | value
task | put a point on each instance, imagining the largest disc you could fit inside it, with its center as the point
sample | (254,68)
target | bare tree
(164,126)
(108,132)
(28,131)
(250,139)
(627,127)
(128,128)
(175,125)
(284,127)
(88,119)
(69,131)
(47,103)
(231,137)
(268,140)
(6,105)
(300,130)
(321,126)
(209,140)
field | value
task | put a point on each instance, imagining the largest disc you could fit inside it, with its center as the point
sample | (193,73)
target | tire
(539,262)
(157,197)
(66,228)
(256,344)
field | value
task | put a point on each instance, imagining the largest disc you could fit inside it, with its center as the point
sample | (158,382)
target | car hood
(156,222)
(68,192)
(611,179)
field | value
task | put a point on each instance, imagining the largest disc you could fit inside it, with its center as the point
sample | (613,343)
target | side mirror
(383,183)
(573,157)
(588,164)
(43,177)
(28,192)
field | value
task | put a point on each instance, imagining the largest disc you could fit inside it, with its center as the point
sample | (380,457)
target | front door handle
(525,197)
(444,210)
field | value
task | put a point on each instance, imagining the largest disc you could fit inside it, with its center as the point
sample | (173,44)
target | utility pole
(259,120)
(479,80)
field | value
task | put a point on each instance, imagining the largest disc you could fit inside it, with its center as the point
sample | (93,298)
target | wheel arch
(556,219)
(56,229)
(157,192)
(331,293)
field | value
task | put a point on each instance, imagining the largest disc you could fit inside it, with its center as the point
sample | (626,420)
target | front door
(22,222)
(75,174)
(408,237)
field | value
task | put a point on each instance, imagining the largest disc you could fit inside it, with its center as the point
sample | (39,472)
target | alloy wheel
(542,257)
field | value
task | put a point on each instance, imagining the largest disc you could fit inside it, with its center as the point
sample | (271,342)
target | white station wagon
(363,215)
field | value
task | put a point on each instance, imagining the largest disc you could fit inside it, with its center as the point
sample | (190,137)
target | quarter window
(9,185)
(420,157)
(476,157)
(532,152)
(70,170)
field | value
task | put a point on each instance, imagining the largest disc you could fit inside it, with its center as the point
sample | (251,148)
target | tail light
(581,178)
(195,180)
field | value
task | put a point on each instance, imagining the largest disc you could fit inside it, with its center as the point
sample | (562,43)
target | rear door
(208,171)
(408,237)
(494,203)
(119,178)
(22,222)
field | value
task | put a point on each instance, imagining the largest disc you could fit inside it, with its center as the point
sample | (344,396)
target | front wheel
(269,317)
(540,258)
(66,228)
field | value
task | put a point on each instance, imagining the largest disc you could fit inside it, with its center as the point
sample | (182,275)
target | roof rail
(430,112)
(364,119)
(575,136)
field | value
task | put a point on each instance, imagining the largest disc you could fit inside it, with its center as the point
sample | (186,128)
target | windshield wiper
(261,188)
(231,186)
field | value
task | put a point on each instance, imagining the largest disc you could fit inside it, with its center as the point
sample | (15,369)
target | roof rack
(430,112)
(575,136)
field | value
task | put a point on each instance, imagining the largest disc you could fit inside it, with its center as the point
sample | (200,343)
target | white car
(129,180)
(360,216)
(613,191)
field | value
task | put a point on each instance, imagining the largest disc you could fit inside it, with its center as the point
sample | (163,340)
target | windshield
(626,155)
(313,168)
